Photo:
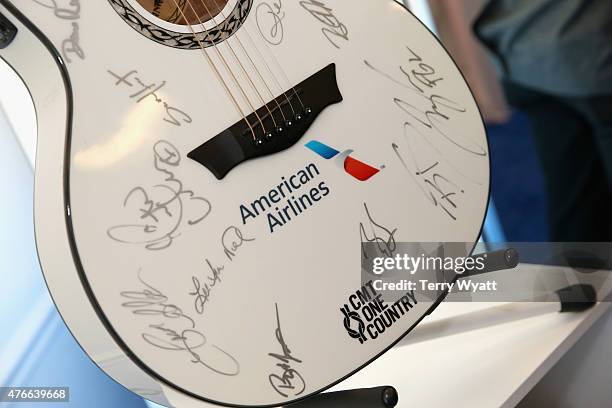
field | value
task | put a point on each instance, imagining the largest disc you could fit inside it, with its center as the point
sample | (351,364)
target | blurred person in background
(555,59)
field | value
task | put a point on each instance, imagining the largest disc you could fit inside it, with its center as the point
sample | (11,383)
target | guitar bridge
(267,132)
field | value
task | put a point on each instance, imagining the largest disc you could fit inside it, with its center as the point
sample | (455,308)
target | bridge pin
(280,129)
(269,136)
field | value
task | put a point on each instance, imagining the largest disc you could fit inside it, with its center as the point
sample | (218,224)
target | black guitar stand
(377,397)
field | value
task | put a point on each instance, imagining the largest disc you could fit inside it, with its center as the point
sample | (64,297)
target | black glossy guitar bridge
(283,123)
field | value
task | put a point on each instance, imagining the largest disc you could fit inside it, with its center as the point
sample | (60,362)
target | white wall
(17,105)
(420,8)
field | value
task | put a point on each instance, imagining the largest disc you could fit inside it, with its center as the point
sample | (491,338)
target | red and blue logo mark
(358,169)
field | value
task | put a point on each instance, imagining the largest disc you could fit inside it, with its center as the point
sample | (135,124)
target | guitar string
(280,68)
(244,94)
(227,67)
(244,50)
(175,15)
(304,109)
(217,72)
(273,75)
(244,71)
(282,89)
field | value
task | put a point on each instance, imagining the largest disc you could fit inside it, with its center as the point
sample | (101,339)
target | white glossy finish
(28,57)
(309,267)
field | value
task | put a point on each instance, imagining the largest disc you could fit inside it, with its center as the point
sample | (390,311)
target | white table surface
(477,354)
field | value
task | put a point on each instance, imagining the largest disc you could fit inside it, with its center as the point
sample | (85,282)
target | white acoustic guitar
(207,172)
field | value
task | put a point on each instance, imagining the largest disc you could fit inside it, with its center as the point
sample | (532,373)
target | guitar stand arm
(377,397)
(574,298)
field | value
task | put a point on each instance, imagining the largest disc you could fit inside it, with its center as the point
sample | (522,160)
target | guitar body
(193,245)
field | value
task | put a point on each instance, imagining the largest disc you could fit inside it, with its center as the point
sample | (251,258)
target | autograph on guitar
(208,170)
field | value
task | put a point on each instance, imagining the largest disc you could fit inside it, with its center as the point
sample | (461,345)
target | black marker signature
(429,115)
(72,12)
(144,91)
(71,45)
(435,109)
(289,381)
(269,18)
(231,240)
(176,331)
(437,188)
(202,291)
(333,27)
(161,210)
(382,236)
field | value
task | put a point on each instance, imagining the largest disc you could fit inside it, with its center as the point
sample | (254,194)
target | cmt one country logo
(358,169)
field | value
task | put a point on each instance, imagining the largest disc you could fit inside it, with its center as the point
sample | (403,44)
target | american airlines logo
(356,168)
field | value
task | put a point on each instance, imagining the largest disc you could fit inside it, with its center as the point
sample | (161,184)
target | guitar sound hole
(188,12)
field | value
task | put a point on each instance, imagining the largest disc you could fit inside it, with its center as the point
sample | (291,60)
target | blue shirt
(561,47)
